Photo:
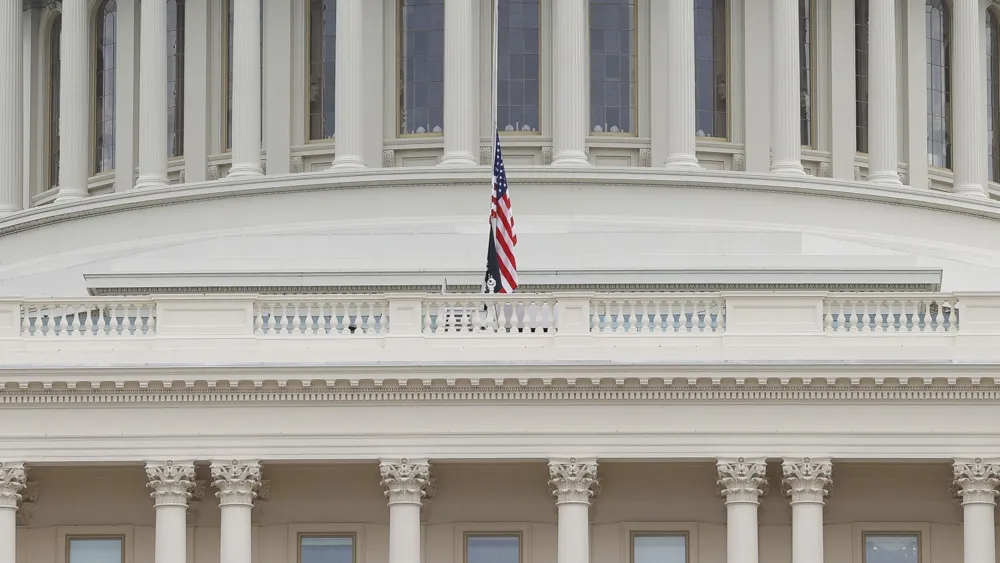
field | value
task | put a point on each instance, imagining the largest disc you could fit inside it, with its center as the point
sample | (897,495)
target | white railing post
(10,318)
(200,316)
(572,319)
(978,312)
(406,322)
(766,313)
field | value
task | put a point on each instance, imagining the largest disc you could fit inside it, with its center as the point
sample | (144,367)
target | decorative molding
(182,177)
(213,171)
(546,155)
(645,158)
(904,178)
(171,483)
(739,162)
(824,170)
(263,166)
(485,155)
(976,480)
(388,158)
(573,480)
(857,173)
(297,165)
(586,152)
(806,479)
(237,482)
(12,482)
(742,480)
(405,480)
(194,503)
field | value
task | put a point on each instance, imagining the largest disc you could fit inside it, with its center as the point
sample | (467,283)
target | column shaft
(572,483)
(681,107)
(883,154)
(405,482)
(171,534)
(742,482)
(153,96)
(235,546)
(969,145)
(573,533)
(461,99)
(569,83)
(74,102)
(786,133)
(980,533)
(350,95)
(741,533)
(404,533)
(10,108)
(246,89)
(807,532)
(8,532)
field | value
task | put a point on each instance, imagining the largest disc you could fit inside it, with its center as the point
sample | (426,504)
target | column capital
(12,481)
(806,479)
(742,480)
(976,480)
(171,482)
(573,480)
(405,480)
(237,481)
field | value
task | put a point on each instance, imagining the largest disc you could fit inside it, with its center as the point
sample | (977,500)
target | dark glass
(711,71)
(104,86)
(806,41)
(175,78)
(892,548)
(861,74)
(612,66)
(493,549)
(518,63)
(938,83)
(422,67)
(326,549)
(993,93)
(55,42)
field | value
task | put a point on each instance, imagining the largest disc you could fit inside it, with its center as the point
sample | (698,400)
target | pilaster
(11,112)
(786,136)
(569,83)
(461,96)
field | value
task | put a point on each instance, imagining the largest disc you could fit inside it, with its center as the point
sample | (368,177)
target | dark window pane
(612,66)
(993,93)
(711,71)
(104,81)
(322,68)
(55,33)
(326,549)
(861,73)
(938,83)
(892,548)
(422,67)
(806,41)
(175,77)
(493,549)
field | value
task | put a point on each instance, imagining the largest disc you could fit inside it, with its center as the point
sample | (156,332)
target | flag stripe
(501,266)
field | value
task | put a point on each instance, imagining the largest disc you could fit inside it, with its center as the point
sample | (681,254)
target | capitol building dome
(263,298)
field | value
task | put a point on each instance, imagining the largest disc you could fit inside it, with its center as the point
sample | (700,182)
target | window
(938,84)
(422,67)
(96,550)
(55,34)
(322,68)
(891,548)
(326,549)
(861,74)
(492,548)
(229,70)
(518,59)
(175,77)
(806,41)
(711,72)
(104,81)
(612,66)
(993,93)
(659,548)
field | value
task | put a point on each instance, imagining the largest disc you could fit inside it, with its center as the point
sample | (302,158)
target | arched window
(861,74)
(55,35)
(106,26)
(322,68)
(993,93)
(938,83)
(711,71)
(175,77)
(518,60)
(421,67)
(613,66)
(806,42)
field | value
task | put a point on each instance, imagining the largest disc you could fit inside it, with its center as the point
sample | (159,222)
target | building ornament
(12,482)
(976,481)
(742,480)
(388,158)
(806,479)
(573,481)
(645,158)
(237,482)
(405,481)
(172,483)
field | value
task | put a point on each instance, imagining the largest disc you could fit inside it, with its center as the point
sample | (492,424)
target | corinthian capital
(742,480)
(405,480)
(976,480)
(806,479)
(573,480)
(237,481)
(12,482)
(171,483)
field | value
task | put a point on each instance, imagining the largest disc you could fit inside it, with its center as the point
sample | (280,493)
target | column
(786,132)
(171,483)
(12,482)
(742,481)
(882,119)
(246,89)
(74,102)
(569,82)
(681,107)
(572,481)
(461,97)
(153,96)
(969,146)
(237,482)
(805,481)
(405,482)
(11,158)
(976,481)
(350,95)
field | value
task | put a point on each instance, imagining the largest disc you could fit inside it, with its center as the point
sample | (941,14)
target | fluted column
(246,89)
(976,481)
(461,98)
(681,107)
(405,482)
(882,103)
(569,83)
(786,133)
(805,482)
(12,482)
(74,102)
(969,145)
(742,481)
(350,93)
(10,107)
(573,483)
(153,96)
(171,484)
(237,482)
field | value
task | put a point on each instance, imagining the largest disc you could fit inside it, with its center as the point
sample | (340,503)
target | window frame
(297,531)
(862,530)
(465,529)
(51,125)
(813,48)
(636,72)
(993,14)
(949,93)
(180,76)
(301,535)
(497,534)
(857,73)
(630,530)
(305,93)
(729,81)
(65,534)
(494,27)
(399,95)
(95,13)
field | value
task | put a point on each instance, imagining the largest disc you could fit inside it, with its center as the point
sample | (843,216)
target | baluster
(26,321)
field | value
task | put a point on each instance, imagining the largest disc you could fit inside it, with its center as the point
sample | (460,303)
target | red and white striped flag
(501,265)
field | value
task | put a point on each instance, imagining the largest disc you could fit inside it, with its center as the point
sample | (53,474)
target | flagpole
(496,50)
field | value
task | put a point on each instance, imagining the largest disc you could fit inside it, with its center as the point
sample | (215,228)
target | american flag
(501,266)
